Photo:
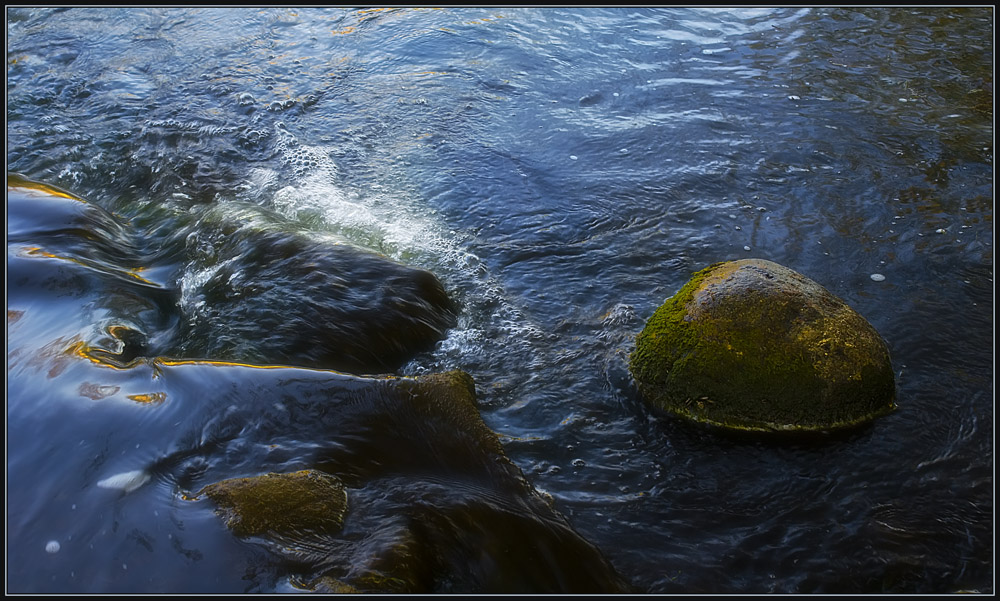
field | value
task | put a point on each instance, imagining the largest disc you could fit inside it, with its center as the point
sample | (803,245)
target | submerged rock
(752,345)
(436,506)
(272,296)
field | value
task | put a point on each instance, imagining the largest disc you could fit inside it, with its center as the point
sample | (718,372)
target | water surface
(562,172)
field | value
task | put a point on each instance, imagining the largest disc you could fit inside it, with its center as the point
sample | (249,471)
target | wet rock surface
(281,504)
(753,345)
(280,297)
(421,500)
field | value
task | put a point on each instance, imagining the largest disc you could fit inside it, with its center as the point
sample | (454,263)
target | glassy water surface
(561,172)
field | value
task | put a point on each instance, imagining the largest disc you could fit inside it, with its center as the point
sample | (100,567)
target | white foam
(391,222)
(393,225)
(192,281)
(126,481)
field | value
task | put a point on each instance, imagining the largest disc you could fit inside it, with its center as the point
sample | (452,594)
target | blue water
(562,171)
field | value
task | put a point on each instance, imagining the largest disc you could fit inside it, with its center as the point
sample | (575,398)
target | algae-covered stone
(281,504)
(752,345)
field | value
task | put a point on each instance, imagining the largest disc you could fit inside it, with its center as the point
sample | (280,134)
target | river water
(562,171)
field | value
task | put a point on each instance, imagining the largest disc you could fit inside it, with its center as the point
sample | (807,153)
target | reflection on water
(518,189)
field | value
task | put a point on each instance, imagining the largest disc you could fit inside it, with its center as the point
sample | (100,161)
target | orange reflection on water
(153,398)
(131,272)
(15,181)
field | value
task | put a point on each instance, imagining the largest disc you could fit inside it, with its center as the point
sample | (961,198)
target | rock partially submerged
(246,289)
(274,296)
(435,504)
(281,503)
(209,336)
(752,345)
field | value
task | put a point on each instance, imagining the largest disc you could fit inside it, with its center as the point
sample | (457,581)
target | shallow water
(562,172)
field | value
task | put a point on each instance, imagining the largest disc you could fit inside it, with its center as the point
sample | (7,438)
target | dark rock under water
(416,496)
(280,297)
(426,500)
(266,296)
(841,142)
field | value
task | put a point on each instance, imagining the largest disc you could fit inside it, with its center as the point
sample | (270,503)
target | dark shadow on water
(681,431)
(798,439)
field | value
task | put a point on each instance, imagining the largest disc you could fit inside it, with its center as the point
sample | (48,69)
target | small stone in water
(52,546)
(878,277)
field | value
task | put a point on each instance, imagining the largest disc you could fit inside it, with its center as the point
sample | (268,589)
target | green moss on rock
(752,345)
(281,504)
(436,506)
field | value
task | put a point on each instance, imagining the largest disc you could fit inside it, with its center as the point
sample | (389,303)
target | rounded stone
(752,345)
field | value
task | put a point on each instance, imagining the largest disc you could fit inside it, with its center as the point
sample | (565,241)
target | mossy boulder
(752,345)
